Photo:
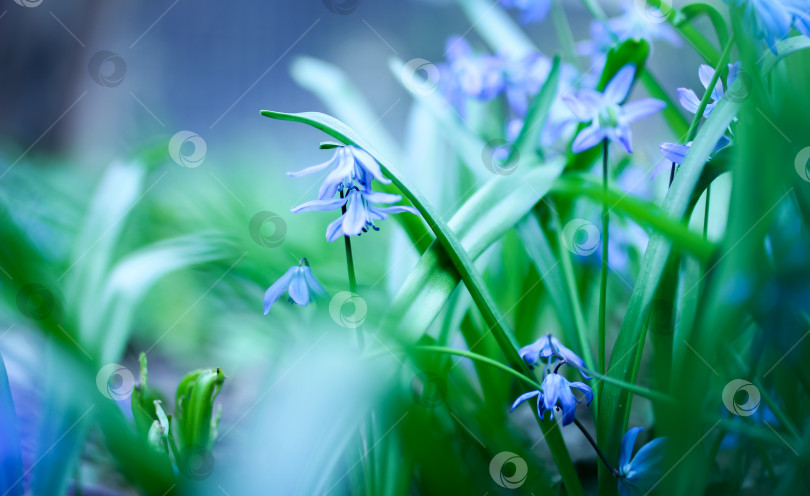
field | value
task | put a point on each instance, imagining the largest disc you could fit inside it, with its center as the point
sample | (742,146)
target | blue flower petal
(688,99)
(640,109)
(323,205)
(313,283)
(523,397)
(628,441)
(278,288)
(588,138)
(619,87)
(299,291)
(315,168)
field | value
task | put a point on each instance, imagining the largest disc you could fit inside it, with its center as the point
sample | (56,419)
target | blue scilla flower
(532,10)
(298,282)
(361,211)
(640,474)
(771,20)
(549,346)
(350,167)
(689,98)
(557,392)
(609,118)
(676,153)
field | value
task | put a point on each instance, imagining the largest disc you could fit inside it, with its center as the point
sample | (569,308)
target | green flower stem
(596,448)
(603,272)
(347,241)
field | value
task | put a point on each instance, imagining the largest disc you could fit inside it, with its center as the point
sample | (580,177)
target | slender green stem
(349,257)
(603,275)
(596,448)
(479,358)
(347,241)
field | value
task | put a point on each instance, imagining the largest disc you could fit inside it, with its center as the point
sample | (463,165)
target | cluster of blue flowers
(772,20)
(557,390)
(351,171)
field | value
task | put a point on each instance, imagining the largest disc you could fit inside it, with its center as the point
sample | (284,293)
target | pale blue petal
(368,163)
(315,168)
(299,291)
(650,456)
(640,109)
(689,99)
(619,87)
(334,230)
(523,397)
(624,135)
(582,109)
(354,220)
(382,197)
(588,138)
(674,152)
(278,288)
(313,283)
(396,209)
(309,206)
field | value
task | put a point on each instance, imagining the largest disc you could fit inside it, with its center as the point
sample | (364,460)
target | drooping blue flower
(298,282)
(350,166)
(609,118)
(361,211)
(689,98)
(557,392)
(676,153)
(549,346)
(532,10)
(771,20)
(640,474)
